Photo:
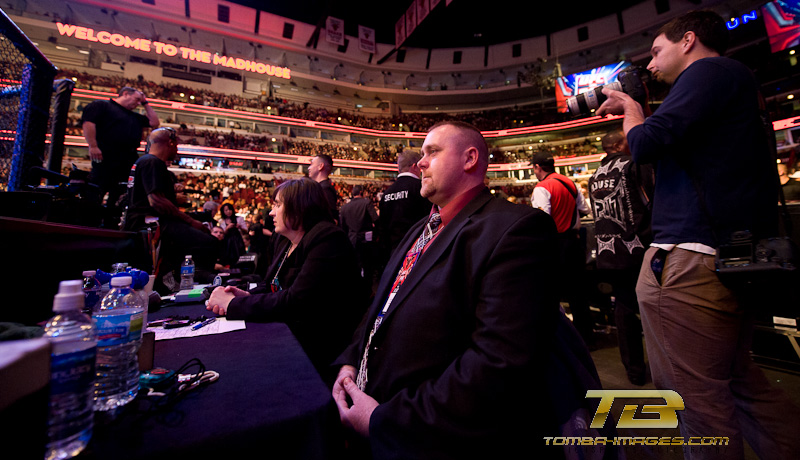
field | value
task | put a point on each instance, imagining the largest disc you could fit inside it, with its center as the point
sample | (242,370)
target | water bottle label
(72,372)
(137,324)
(118,329)
(187,270)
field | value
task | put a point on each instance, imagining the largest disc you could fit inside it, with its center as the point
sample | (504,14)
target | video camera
(743,260)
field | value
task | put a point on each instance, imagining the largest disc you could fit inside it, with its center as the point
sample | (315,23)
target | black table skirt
(269,402)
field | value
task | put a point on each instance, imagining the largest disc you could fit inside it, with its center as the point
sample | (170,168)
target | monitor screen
(578,83)
(782,21)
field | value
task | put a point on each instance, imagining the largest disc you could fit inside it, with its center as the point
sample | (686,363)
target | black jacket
(401,207)
(320,300)
(474,358)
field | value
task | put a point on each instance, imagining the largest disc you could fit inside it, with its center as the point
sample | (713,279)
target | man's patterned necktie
(428,233)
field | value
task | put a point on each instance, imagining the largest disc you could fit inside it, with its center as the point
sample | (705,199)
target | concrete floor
(612,376)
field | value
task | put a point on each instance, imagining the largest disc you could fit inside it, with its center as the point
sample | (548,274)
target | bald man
(113,132)
(152,193)
(454,357)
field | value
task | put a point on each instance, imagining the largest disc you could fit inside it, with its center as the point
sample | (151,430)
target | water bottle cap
(89,273)
(70,296)
(118,281)
(139,278)
(189,256)
(102,277)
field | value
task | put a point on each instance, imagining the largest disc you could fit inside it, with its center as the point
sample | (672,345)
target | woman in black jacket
(313,284)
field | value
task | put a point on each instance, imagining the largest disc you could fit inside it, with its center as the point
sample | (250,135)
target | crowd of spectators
(251,195)
(565,150)
(261,143)
(484,120)
(248,195)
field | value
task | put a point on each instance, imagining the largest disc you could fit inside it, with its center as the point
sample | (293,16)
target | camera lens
(584,103)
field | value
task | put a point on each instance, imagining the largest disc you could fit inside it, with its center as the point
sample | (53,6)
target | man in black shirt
(151,193)
(621,191)
(114,131)
(320,168)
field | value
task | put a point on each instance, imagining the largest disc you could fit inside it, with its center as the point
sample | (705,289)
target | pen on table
(204,323)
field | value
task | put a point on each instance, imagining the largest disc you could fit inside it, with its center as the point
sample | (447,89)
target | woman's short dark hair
(304,203)
(227,205)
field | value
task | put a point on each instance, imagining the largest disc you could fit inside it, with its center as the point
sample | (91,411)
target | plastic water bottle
(187,273)
(72,373)
(140,280)
(120,267)
(105,284)
(119,325)
(91,291)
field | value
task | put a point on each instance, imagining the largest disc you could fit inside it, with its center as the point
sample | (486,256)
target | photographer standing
(708,130)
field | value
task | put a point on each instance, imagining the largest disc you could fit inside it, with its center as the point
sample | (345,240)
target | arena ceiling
(462,23)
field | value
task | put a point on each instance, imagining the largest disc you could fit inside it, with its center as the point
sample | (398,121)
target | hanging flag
(366,39)
(411,19)
(423,8)
(434,4)
(335,30)
(400,31)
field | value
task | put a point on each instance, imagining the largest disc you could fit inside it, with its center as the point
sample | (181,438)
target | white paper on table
(221,325)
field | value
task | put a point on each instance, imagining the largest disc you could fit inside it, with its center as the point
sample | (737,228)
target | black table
(269,402)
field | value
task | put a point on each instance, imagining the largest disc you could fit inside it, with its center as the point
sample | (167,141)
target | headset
(173,137)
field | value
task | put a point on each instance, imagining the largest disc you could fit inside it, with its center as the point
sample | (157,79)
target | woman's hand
(221,298)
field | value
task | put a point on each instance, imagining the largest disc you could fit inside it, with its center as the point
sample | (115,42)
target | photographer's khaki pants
(698,341)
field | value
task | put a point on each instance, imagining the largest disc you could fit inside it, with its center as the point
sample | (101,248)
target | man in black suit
(464,352)
(402,205)
(357,218)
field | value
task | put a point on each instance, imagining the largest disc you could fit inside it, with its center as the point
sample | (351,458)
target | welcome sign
(167,49)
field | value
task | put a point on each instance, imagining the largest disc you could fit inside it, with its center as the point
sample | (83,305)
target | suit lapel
(392,267)
(440,246)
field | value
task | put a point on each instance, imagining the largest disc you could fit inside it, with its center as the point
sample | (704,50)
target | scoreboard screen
(782,21)
(577,83)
